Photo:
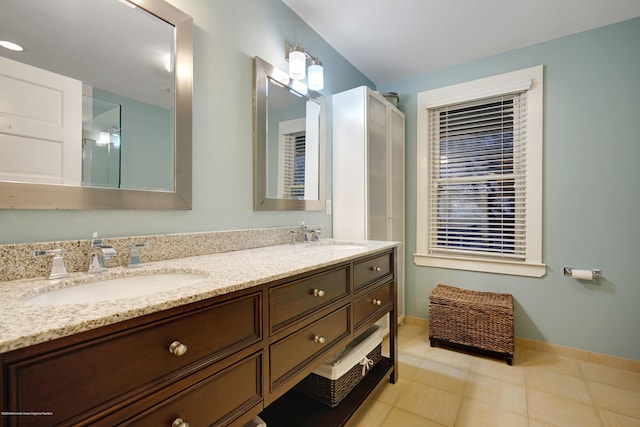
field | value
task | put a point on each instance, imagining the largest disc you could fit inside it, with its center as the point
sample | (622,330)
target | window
(479,175)
(291,186)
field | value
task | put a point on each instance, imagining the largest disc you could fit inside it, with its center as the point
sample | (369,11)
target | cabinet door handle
(376,302)
(376,269)
(177,349)
(319,339)
(318,293)
(179,422)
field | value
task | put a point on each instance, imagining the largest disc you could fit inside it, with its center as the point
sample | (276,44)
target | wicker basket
(333,381)
(472,320)
(331,392)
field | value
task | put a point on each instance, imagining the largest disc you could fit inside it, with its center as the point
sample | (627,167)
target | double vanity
(224,337)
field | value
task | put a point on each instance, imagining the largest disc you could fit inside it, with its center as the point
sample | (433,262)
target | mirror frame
(14,195)
(263,70)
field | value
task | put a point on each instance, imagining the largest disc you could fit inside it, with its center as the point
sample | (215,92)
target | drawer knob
(179,422)
(376,301)
(373,268)
(178,349)
(318,293)
(319,339)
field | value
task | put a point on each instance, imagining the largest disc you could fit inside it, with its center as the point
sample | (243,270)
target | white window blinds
(477,180)
(294,166)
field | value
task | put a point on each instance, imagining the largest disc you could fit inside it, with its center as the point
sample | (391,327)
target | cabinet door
(377,165)
(396,176)
(397,196)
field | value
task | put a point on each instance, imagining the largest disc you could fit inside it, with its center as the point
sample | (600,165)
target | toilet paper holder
(595,272)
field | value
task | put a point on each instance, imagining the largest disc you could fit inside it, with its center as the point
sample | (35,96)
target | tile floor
(440,387)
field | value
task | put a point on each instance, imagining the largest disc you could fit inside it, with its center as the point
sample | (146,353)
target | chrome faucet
(58,269)
(134,254)
(99,253)
(310,234)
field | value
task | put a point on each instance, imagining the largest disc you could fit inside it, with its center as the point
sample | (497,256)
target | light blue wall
(591,191)
(147,143)
(227,35)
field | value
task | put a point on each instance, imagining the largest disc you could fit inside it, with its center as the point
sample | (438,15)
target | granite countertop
(23,324)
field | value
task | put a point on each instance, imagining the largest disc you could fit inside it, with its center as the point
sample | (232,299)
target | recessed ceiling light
(11,46)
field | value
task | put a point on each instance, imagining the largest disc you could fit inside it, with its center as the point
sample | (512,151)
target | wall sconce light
(297,63)
(316,75)
(297,58)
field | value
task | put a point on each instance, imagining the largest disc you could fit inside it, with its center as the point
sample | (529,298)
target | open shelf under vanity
(295,410)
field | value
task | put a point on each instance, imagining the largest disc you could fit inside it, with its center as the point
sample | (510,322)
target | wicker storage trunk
(333,380)
(480,321)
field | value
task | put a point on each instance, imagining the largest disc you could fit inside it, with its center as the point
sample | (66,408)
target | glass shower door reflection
(101,146)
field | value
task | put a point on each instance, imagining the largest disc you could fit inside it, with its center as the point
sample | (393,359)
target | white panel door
(40,125)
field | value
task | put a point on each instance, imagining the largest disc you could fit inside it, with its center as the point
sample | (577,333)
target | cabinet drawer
(369,270)
(372,303)
(217,400)
(79,378)
(292,301)
(291,354)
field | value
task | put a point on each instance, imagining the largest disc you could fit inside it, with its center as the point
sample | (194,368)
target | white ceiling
(388,40)
(103,43)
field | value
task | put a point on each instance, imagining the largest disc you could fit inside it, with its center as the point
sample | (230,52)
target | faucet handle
(94,239)
(134,254)
(58,269)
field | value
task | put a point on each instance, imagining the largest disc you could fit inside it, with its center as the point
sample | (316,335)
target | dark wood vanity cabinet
(86,377)
(215,362)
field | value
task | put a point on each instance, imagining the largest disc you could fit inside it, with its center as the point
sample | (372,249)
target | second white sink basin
(118,288)
(346,247)
(339,248)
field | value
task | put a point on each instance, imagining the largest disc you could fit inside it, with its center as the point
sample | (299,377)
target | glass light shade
(299,87)
(297,64)
(316,77)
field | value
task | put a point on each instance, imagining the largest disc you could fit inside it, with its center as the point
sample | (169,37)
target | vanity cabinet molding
(216,362)
(369,171)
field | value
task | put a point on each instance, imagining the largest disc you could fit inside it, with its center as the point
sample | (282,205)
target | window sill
(487,266)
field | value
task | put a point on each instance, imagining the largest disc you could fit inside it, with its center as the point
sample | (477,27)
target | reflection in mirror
(288,143)
(109,109)
(101,144)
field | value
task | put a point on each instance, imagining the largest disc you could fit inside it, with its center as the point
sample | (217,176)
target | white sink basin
(346,247)
(338,249)
(118,288)
(338,246)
